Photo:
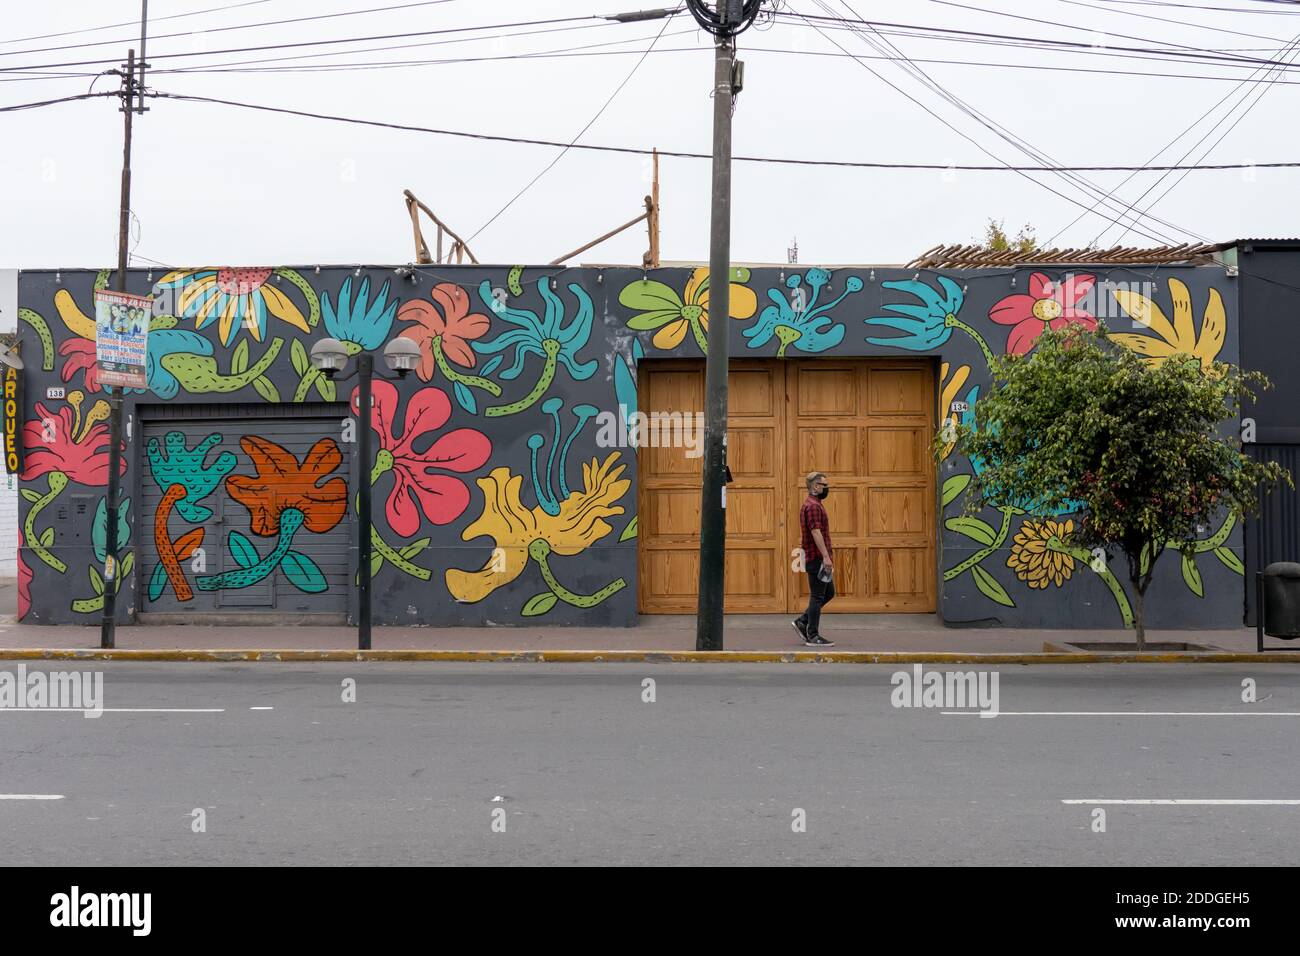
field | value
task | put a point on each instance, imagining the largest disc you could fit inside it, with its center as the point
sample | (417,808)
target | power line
(1039,41)
(62,99)
(1182,23)
(1196,6)
(604,106)
(331,42)
(1263,90)
(1168,145)
(236,26)
(1071,26)
(131,23)
(216,67)
(682,154)
(1002,133)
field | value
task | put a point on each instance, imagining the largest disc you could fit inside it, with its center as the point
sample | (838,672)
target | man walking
(815,540)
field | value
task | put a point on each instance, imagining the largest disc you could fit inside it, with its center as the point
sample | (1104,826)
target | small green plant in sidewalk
(1136,449)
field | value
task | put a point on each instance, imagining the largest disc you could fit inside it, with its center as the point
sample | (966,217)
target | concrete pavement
(711,772)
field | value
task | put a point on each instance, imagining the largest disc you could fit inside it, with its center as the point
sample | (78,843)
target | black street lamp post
(330,356)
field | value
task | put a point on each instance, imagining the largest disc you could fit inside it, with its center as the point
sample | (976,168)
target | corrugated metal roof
(975,257)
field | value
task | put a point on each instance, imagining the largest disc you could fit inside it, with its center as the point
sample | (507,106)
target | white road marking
(1127,713)
(261,708)
(1198,803)
(114,710)
(31,796)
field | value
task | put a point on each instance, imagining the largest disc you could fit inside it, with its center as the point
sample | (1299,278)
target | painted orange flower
(443,328)
(282,483)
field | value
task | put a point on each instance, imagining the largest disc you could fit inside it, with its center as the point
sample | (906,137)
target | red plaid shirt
(813,515)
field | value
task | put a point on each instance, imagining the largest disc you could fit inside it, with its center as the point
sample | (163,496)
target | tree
(1082,423)
(997,240)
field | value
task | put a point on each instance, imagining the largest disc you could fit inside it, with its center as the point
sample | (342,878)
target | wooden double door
(866,423)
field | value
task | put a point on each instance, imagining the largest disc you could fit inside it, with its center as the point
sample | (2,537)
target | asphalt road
(711,772)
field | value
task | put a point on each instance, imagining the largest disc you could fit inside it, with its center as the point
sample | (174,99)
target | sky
(223,185)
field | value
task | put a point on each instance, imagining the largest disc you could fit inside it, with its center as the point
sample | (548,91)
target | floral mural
(495,497)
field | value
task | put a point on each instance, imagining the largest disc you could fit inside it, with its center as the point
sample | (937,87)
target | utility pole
(132,90)
(713,501)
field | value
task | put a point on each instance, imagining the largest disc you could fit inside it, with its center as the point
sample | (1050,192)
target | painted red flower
(65,443)
(24,582)
(81,355)
(447,329)
(1048,304)
(419,489)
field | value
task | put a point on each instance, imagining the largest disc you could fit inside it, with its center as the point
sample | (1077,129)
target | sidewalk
(850,632)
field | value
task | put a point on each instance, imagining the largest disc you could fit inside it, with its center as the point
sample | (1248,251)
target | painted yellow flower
(234,297)
(661,308)
(521,533)
(1178,337)
(1035,562)
(948,418)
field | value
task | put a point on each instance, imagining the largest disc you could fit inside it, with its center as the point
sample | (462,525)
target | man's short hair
(813,477)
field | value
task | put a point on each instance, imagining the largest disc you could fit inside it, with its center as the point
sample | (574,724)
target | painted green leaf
(239,360)
(990,588)
(157,581)
(376,562)
(127,564)
(47,538)
(96,582)
(973,528)
(1231,560)
(414,548)
(630,531)
(160,322)
(30,495)
(539,604)
(242,549)
(651,297)
(303,573)
(298,356)
(1192,575)
(953,487)
(325,387)
(266,389)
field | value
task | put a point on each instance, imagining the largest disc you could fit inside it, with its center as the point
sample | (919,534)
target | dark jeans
(820,593)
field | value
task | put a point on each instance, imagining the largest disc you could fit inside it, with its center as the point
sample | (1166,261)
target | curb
(641,656)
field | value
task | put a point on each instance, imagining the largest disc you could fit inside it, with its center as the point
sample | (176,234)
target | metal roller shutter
(256,558)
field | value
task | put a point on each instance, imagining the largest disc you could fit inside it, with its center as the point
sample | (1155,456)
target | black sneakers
(818,641)
(801,628)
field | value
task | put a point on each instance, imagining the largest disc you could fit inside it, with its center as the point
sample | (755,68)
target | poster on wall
(122,337)
(13,419)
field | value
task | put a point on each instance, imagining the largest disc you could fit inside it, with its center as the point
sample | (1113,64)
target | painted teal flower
(171,463)
(547,337)
(168,341)
(546,495)
(360,324)
(926,326)
(798,319)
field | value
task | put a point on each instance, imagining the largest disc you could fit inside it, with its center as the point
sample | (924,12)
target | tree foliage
(997,240)
(1143,450)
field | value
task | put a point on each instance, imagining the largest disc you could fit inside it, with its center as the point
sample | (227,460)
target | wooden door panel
(669,490)
(867,423)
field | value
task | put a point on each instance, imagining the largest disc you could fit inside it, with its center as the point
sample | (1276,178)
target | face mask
(821,494)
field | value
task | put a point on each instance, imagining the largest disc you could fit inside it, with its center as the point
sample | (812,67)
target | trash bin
(1277,591)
